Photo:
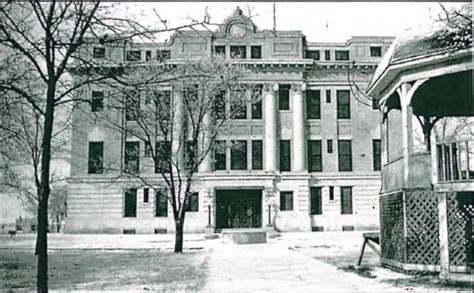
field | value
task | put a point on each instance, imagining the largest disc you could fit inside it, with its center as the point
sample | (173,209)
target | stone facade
(96,201)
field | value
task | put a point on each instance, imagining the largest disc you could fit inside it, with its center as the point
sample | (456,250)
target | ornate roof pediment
(236,26)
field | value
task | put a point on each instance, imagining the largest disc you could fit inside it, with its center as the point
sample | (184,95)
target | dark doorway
(238,209)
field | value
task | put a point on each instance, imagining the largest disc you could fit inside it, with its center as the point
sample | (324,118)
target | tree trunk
(42,240)
(42,246)
(58,224)
(178,242)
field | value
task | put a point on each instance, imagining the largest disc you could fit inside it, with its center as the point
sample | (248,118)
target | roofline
(415,60)
(352,40)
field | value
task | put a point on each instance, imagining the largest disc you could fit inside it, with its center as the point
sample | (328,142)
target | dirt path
(273,267)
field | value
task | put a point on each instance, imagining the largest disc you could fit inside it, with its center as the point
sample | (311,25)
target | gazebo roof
(438,38)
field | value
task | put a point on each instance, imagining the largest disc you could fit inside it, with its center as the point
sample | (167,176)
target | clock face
(238,30)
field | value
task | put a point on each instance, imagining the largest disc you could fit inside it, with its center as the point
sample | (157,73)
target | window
(148,55)
(163,55)
(219,51)
(328,96)
(343,104)
(163,157)
(134,55)
(238,155)
(329,146)
(219,105)
(375,104)
(316,201)
(238,105)
(97,101)
(346,200)
(193,202)
(313,104)
(342,55)
(132,159)
(238,52)
(312,54)
(146,195)
(132,105)
(98,52)
(96,157)
(219,155)
(161,203)
(190,154)
(315,159)
(331,192)
(286,200)
(327,55)
(256,52)
(284,97)
(285,155)
(130,210)
(257,155)
(257,102)
(375,51)
(162,100)
(345,155)
(377,154)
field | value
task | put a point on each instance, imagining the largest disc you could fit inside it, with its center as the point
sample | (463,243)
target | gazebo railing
(455,161)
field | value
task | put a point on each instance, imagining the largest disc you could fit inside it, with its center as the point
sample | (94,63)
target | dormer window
(312,54)
(98,52)
(342,55)
(375,51)
(256,52)
(238,52)
(148,55)
(162,55)
(219,51)
(327,55)
(133,55)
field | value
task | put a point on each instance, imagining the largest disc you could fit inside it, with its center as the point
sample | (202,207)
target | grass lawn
(107,270)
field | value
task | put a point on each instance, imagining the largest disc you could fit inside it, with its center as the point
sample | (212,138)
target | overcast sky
(320,22)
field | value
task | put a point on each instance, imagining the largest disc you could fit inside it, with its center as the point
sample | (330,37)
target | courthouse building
(309,156)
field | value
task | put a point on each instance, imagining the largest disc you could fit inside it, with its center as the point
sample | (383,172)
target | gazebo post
(443,235)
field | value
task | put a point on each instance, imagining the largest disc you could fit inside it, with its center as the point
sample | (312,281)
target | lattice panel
(460,226)
(422,227)
(392,231)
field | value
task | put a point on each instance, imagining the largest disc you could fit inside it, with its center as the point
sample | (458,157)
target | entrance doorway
(238,208)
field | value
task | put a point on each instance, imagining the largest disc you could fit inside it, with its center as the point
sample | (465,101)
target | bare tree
(178,124)
(46,37)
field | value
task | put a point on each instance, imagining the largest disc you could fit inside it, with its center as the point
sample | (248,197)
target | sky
(319,21)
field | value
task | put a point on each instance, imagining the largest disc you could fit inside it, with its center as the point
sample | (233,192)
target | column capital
(268,87)
(298,87)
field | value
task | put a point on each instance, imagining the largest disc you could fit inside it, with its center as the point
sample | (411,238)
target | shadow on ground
(363,271)
(430,282)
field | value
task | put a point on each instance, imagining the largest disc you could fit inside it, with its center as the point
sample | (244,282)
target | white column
(206,164)
(270,127)
(177,139)
(298,132)
(407,113)
(443,234)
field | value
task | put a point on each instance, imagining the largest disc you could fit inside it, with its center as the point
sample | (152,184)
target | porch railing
(455,161)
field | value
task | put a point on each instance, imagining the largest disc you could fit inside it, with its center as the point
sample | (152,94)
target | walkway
(273,267)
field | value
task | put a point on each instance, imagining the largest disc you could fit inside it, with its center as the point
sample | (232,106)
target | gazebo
(427,195)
